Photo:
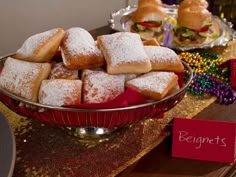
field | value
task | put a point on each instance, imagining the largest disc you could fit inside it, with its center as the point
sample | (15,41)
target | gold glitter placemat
(46,150)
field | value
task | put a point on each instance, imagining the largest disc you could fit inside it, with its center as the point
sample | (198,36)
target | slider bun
(198,3)
(144,3)
(192,16)
(149,13)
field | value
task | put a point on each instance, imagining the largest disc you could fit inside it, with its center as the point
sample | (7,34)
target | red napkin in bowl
(108,119)
(180,78)
(129,97)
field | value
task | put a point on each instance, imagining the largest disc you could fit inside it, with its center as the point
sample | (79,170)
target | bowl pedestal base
(91,135)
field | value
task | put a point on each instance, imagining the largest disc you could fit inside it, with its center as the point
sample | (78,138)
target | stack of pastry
(88,71)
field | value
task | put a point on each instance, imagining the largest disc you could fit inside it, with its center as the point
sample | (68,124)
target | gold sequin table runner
(45,150)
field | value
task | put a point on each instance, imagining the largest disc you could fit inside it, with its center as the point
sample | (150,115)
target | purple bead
(208,84)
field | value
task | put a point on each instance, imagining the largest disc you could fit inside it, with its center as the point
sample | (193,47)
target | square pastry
(59,71)
(58,92)
(124,53)
(79,50)
(154,85)
(99,86)
(164,59)
(23,78)
(41,47)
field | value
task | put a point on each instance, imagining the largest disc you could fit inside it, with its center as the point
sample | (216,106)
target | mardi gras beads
(203,83)
(206,63)
(208,77)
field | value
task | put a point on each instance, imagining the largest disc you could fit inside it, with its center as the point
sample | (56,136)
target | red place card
(203,140)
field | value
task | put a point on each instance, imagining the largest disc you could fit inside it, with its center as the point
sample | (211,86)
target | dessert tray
(93,123)
(121,21)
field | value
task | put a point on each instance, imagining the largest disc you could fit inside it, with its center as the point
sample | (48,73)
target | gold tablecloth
(46,150)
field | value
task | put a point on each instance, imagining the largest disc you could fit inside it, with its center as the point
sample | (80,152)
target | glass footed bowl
(92,123)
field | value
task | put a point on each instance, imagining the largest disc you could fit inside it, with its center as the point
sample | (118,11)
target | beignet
(130,76)
(164,59)
(152,42)
(41,47)
(124,53)
(154,85)
(99,86)
(59,71)
(23,78)
(79,50)
(174,89)
(58,92)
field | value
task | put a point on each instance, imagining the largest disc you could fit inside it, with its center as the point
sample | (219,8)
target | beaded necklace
(210,76)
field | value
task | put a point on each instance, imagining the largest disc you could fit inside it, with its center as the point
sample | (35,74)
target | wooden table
(45,150)
(159,163)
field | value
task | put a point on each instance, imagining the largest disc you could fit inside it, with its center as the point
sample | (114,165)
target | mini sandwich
(194,23)
(148,20)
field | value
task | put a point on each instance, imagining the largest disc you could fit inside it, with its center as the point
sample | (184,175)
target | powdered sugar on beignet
(163,58)
(58,92)
(80,41)
(154,85)
(130,76)
(99,86)
(59,71)
(23,78)
(79,50)
(41,47)
(174,89)
(124,53)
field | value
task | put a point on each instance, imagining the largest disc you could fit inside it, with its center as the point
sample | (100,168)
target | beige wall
(20,19)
